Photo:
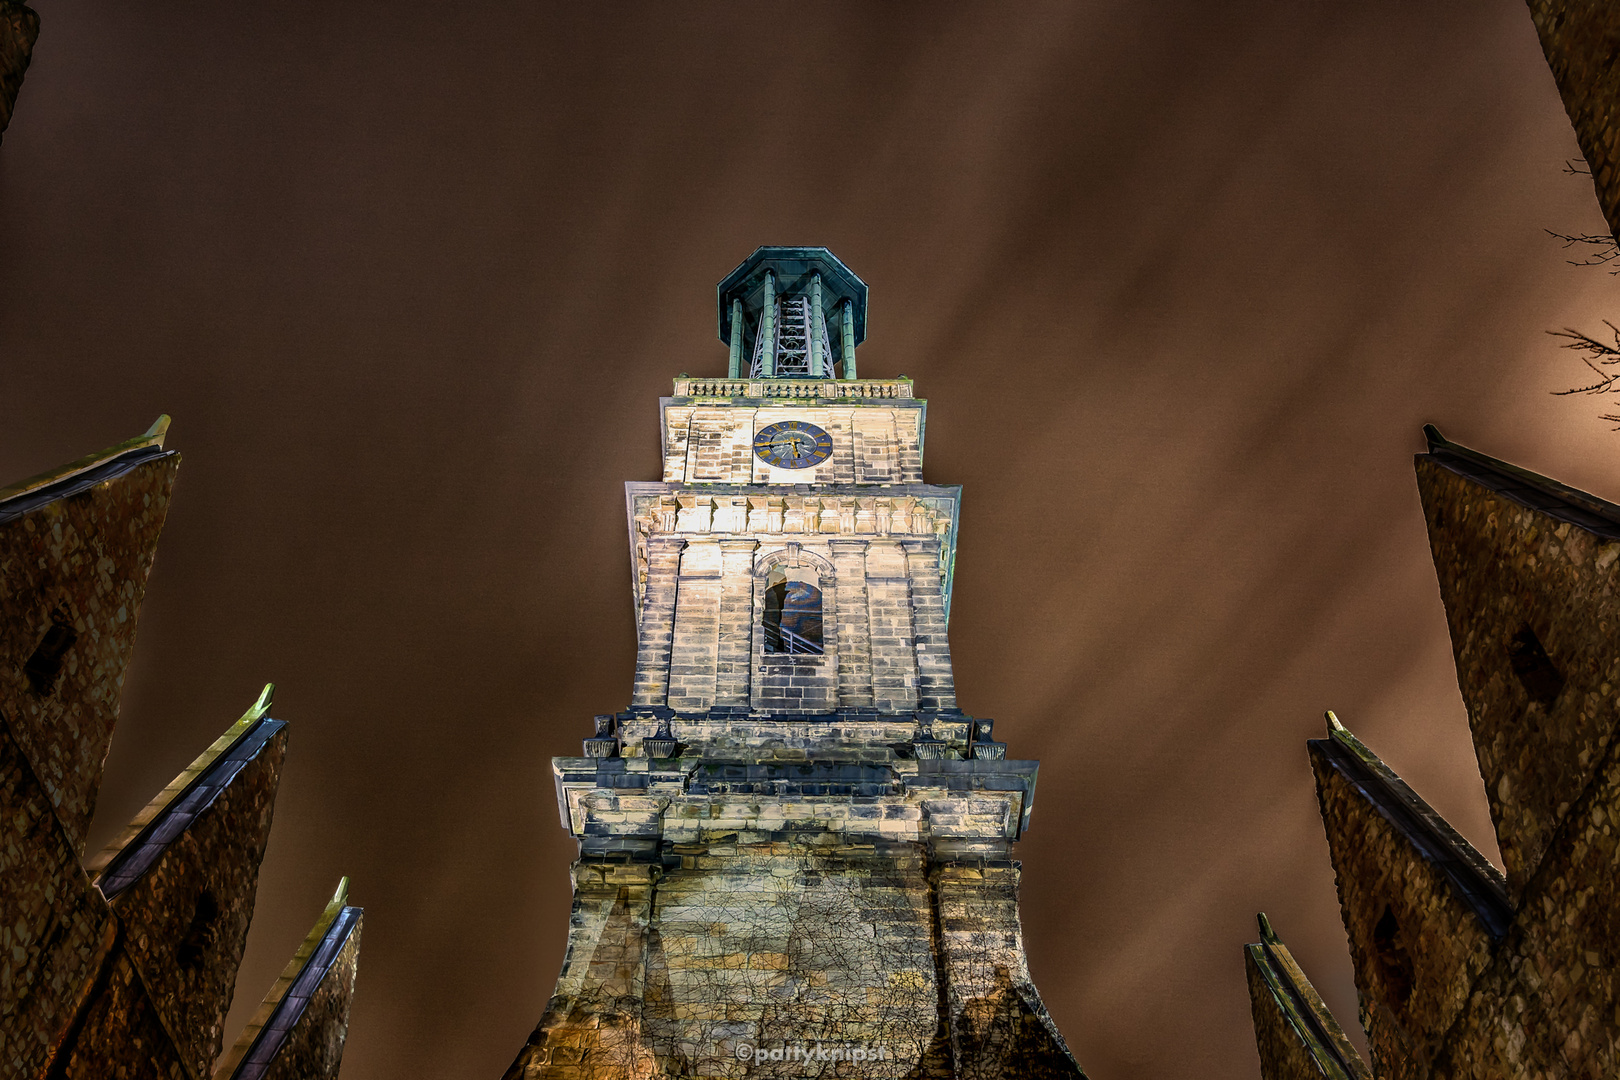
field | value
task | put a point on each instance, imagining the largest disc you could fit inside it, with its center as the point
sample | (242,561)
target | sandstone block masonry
(793,837)
(1461,970)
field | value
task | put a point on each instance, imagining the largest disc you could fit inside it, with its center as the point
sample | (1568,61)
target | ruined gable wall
(1532,607)
(1415,945)
(1547,1004)
(1283,1055)
(73,575)
(1581,40)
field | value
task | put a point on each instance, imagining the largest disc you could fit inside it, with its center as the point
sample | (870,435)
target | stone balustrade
(823,389)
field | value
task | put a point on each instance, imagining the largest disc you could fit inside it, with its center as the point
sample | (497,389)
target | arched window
(792,617)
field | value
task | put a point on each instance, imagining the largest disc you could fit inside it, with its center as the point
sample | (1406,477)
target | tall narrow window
(792,618)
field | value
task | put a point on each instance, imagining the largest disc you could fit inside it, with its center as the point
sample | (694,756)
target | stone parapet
(746,390)
(957,809)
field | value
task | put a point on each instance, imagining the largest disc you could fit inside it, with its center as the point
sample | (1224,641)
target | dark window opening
(44,667)
(793,618)
(1394,964)
(1534,668)
(199,939)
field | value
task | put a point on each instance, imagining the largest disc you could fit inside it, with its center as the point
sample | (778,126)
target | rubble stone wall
(1415,945)
(73,575)
(1533,609)
(1282,1047)
(55,929)
(1581,39)
(186,919)
(1548,1003)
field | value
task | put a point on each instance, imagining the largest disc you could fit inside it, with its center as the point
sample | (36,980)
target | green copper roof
(793,267)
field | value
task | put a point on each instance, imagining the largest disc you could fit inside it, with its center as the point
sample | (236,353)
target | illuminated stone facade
(793,842)
(1462,970)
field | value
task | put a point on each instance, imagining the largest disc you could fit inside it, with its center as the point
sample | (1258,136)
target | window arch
(792,615)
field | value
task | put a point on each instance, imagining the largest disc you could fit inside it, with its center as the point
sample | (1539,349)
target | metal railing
(779,639)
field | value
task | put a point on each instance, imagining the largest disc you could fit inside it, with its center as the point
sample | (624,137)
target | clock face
(793,444)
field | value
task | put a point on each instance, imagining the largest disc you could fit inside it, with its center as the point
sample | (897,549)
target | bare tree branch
(1602,249)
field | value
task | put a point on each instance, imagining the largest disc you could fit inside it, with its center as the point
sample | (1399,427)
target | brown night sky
(1180,283)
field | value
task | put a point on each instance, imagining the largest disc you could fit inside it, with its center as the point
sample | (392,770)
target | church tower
(795,849)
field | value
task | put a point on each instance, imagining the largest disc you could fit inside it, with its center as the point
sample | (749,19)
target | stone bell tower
(795,849)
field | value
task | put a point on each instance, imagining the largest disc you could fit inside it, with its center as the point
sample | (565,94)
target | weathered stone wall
(808,939)
(138,987)
(997,1022)
(878,442)
(1548,1003)
(1296,1035)
(1581,40)
(19,29)
(55,929)
(1531,602)
(779,943)
(1463,974)
(313,1049)
(73,574)
(1416,942)
(186,919)
(884,638)
(122,1034)
(76,549)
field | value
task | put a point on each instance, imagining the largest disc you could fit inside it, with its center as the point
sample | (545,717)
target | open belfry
(1463,970)
(795,850)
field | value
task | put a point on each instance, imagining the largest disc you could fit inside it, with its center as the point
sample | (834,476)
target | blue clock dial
(793,444)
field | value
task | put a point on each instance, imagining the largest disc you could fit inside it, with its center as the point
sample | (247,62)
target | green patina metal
(848,321)
(734,370)
(797,304)
(819,323)
(767,326)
